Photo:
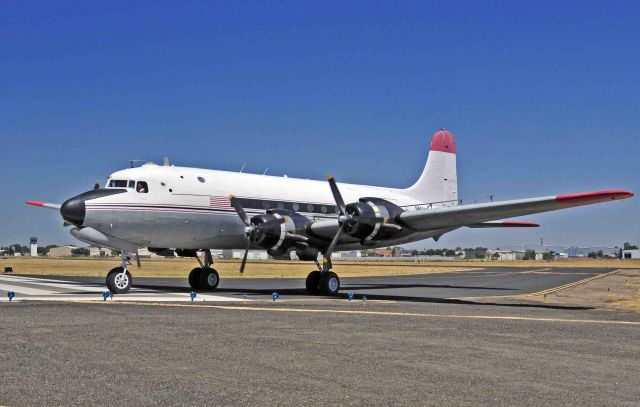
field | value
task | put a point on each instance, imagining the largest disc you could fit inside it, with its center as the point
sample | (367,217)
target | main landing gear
(204,278)
(323,281)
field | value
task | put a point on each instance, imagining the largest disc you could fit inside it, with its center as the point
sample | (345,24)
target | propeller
(251,230)
(343,217)
(347,215)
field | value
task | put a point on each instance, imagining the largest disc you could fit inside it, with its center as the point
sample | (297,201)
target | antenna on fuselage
(133,162)
(165,162)
(243,165)
(265,171)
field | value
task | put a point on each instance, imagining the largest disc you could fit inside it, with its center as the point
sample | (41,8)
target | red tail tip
(443,141)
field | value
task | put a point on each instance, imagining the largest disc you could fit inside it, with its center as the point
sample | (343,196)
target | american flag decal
(219,202)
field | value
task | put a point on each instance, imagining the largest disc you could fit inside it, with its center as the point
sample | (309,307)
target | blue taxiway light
(193,295)
(275,296)
(350,295)
(105,295)
(11,294)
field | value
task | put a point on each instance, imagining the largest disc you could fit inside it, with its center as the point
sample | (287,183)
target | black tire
(119,282)
(209,279)
(329,283)
(194,278)
(313,282)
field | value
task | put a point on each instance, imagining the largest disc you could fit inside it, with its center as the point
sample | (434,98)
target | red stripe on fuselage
(35,203)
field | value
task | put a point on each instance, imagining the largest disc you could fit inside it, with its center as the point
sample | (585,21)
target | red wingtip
(35,203)
(520,224)
(593,197)
(443,141)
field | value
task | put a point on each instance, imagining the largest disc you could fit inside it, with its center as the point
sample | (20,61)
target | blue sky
(543,97)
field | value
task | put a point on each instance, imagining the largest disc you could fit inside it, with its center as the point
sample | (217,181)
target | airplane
(181,211)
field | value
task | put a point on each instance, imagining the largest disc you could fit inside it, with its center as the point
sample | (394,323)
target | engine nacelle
(359,225)
(278,238)
(93,236)
(307,254)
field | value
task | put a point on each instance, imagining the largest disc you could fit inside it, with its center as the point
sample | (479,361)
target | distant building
(384,252)
(34,246)
(631,254)
(62,251)
(509,255)
(346,255)
(99,252)
(252,255)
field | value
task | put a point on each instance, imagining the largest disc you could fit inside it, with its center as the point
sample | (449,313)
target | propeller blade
(244,258)
(138,260)
(239,210)
(337,196)
(332,245)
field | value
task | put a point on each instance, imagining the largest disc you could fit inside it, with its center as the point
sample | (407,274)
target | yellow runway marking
(385,313)
(543,292)
(575,283)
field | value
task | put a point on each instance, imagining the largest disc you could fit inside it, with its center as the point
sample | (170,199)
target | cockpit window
(142,187)
(117,183)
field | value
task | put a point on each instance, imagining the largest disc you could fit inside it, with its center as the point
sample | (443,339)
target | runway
(329,353)
(418,340)
(488,282)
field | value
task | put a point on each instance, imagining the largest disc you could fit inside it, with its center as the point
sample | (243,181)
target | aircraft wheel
(313,282)
(194,278)
(329,283)
(119,280)
(209,279)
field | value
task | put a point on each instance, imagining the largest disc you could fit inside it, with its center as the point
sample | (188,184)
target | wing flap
(466,215)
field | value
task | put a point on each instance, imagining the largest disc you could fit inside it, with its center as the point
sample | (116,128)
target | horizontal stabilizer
(44,204)
(504,224)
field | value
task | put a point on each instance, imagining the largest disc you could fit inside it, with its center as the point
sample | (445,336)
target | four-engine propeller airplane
(184,210)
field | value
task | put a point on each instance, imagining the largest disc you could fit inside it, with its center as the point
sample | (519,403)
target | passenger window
(142,187)
(132,184)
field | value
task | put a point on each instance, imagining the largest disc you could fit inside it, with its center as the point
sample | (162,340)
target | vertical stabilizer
(439,180)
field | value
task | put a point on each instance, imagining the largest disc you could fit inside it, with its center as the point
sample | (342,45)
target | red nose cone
(443,141)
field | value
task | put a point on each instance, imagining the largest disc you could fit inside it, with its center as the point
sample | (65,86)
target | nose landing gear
(119,279)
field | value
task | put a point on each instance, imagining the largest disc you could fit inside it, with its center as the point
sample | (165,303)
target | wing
(476,214)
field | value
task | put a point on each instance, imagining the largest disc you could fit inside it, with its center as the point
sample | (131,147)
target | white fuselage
(189,208)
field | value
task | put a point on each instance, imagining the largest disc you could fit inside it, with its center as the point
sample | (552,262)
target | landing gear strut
(323,281)
(204,277)
(119,279)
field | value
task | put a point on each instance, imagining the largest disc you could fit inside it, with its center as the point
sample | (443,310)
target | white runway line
(38,289)
(29,279)
(25,290)
(169,297)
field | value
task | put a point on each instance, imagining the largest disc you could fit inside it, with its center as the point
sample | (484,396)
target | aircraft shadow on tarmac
(301,292)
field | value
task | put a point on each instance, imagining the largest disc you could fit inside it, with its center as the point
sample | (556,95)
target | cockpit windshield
(117,183)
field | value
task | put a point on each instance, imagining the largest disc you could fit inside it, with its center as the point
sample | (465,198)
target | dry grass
(85,266)
(610,263)
(226,268)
